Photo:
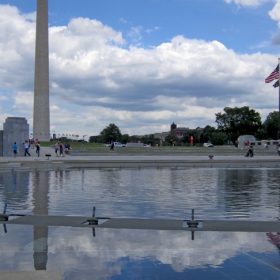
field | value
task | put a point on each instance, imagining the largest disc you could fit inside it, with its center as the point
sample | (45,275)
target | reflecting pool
(251,194)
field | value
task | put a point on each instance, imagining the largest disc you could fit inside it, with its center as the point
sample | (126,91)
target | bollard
(93,221)
(192,223)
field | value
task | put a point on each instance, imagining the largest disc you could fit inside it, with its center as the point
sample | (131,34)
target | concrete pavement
(115,160)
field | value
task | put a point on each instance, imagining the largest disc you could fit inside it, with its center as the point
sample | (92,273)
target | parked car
(116,144)
(208,145)
(146,146)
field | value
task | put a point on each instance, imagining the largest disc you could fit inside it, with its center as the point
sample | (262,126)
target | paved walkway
(115,160)
(117,157)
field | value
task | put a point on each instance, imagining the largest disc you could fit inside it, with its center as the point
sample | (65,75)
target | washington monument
(41,110)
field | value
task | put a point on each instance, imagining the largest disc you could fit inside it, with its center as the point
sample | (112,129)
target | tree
(173,138)
(110,133)
(238,121)
(95,139)
(271,125)
(206,135)
(194,133)
(219,138)
(125,139)
(261,133)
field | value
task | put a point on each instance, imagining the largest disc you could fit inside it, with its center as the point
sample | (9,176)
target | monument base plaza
(119,161)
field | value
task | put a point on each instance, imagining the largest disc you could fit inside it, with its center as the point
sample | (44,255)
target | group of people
(61,149)
(250,150)
(27,144)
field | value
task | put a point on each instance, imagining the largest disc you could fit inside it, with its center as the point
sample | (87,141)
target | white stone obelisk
(41,111)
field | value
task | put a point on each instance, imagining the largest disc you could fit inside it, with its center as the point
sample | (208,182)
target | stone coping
(120,162)
(30,275)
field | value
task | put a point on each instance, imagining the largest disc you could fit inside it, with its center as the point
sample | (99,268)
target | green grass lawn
(73,144)
(99,148)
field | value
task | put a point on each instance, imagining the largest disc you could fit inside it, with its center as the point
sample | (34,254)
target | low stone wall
(260,145)
(104,163)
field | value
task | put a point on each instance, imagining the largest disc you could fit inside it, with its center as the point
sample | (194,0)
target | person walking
(112,146)
(56,146)
(36,142)
(26,147)
(66,149)
(15,149)
(38,148)
(61,149)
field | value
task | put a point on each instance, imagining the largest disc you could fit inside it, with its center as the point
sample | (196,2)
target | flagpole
(279,102)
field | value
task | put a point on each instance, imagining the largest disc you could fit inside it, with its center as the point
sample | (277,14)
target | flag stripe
(274,75)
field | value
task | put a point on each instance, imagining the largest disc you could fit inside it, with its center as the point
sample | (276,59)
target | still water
(251,194)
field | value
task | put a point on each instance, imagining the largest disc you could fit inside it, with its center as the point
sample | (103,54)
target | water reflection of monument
(40,207)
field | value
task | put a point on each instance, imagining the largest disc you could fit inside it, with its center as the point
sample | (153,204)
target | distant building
(161,135)
(179,132)
(176,131)
(173,126)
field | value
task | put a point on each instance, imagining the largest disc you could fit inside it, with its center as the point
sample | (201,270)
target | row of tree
(245,121)
(232,123)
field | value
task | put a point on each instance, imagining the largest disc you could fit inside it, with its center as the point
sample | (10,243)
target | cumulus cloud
(97,78)
(151,30)
(275,15)
(247,2)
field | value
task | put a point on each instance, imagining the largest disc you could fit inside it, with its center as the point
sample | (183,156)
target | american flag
(274,75)
(276,84)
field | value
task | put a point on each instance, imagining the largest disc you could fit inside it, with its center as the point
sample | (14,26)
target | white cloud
(247,2)
(95,76)
(275,13)
(3,98)
(151,30)
(180,252)
(135,34)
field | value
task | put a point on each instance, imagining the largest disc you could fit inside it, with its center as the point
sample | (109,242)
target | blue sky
(141,64)
(161,20)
